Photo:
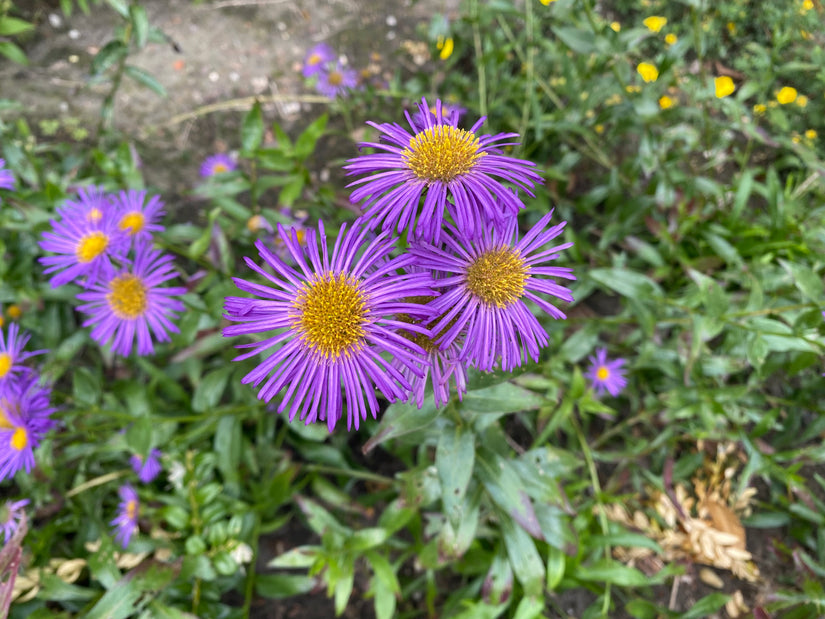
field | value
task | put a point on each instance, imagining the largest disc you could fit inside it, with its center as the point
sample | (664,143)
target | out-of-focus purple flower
(132,304)
(6,177)
(149,468)
(126,522)
(606,375)
(12,354)
(217,164)
(137,217)
(25,414)
(86,237)
(336,81)
(484,284)
(10,515)
(328,320)
(454,169)
(452,115)
(317,59)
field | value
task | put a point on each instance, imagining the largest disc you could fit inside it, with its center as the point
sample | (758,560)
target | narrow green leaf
(581,41)
(502,398)
(627,283)
(279,586)
(227,446)
(140,24)
(305,144)
(252,130)
(454,458)
(556,562)
(10,26)
(402,418)
(13,53)
(144,78)
(301,557)
(209,390)
(120,6)
(524,558)
(804,278)
(707,606)
(109,55)
(613,572)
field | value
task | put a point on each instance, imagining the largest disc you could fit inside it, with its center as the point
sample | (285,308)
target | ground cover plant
(546,343)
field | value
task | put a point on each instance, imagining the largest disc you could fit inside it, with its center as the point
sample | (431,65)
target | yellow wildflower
(648,71)
(633,88)
(759,109)
(599,128)
(14,312)
(615,26)
(811,134)
(786,95)
(655,23)
(446,46)
(546,2)
(807,5)
(796,139)
(731,28)
(671,38)
(724,86)
(666,102)
(802,100)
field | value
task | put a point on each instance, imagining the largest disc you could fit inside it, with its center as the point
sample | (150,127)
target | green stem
(482,74)
(249,592)
(334,470)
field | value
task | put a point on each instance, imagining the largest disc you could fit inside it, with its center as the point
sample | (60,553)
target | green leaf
(144,78)
(804,278)
(279,586)
(524,558)
(120,6)
(402,418)
(228,447)
(109,55)
(140,24)
(507,490)
(627,283)
(305,144)
(706,606)
(252,130)
(502,398)
(581,41)
(454,458)
(121,601)
(364,539)
(556,562)
(529,608)
(291,190)
(301,557)
(209,390)
(10,26)
(607,571)
(13,53)
(86,387)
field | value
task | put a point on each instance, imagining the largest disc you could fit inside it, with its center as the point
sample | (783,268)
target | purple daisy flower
(336,81)
(485,283)
(6,177)
(327,320)
(126,522)
(452,115)
(12,354)
(24,419)
(217,164)
(137,217)
(149,468)
(86,237)
(10,516)
(439,161)
(606,375)
(133,304)
(318,57)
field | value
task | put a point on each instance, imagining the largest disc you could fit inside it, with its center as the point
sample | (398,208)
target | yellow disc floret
(602,373)
(133,222)
(497,277)
(131,510)
(5,363)
(442,153)
(91,246)
(19,439)
(127,296)
(335,78)
(330,313)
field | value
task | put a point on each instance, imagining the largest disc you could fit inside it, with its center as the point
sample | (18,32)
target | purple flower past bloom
(485,283)
(317,58)
(452,168)
(86,237)
(137,217)
(12,354)
(10,516)
(216,164)
(147,469)
(326,322)
(126,522)
(336,81)
(24,419)
(6,177)
(133,304)
(606,375)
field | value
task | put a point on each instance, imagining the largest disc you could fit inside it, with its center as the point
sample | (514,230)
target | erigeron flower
(336,81)
(126,521)
(137,216)
(6,177)
(606,375)
(25,417)
(146,468)
(317,58)
(217,164)
(11,513)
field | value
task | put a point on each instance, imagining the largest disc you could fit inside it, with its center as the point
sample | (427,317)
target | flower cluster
(25,411)
(340,323)
(332,78)
(104,243)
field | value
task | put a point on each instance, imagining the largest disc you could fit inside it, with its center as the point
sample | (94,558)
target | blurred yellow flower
(546,2)
(811,134)
(614,99)
(759,109)
(724,86)
(599,128)
(655,23)
(633,88)
(802,100)
(807,5)
(446,47)
(615,26)
(671,38)
(648,71)
(731,27)
(666,102)
(805,35)
(796,139)
(15,312)
(786,95)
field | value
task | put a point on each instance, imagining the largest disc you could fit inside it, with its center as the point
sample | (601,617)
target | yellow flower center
(442,153)
(127,296)
(329,314)
(91,246)
(314,59)
(5,363)
(335,78)
(19,439)
(219,167)
(5,424)
(94,215)
(14,312)
(602,373)
(131,510)
(133,222)
(497,277)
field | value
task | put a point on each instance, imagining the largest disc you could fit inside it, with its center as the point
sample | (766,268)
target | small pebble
(74,34)
(55,20)
(214,76)
(391,21)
